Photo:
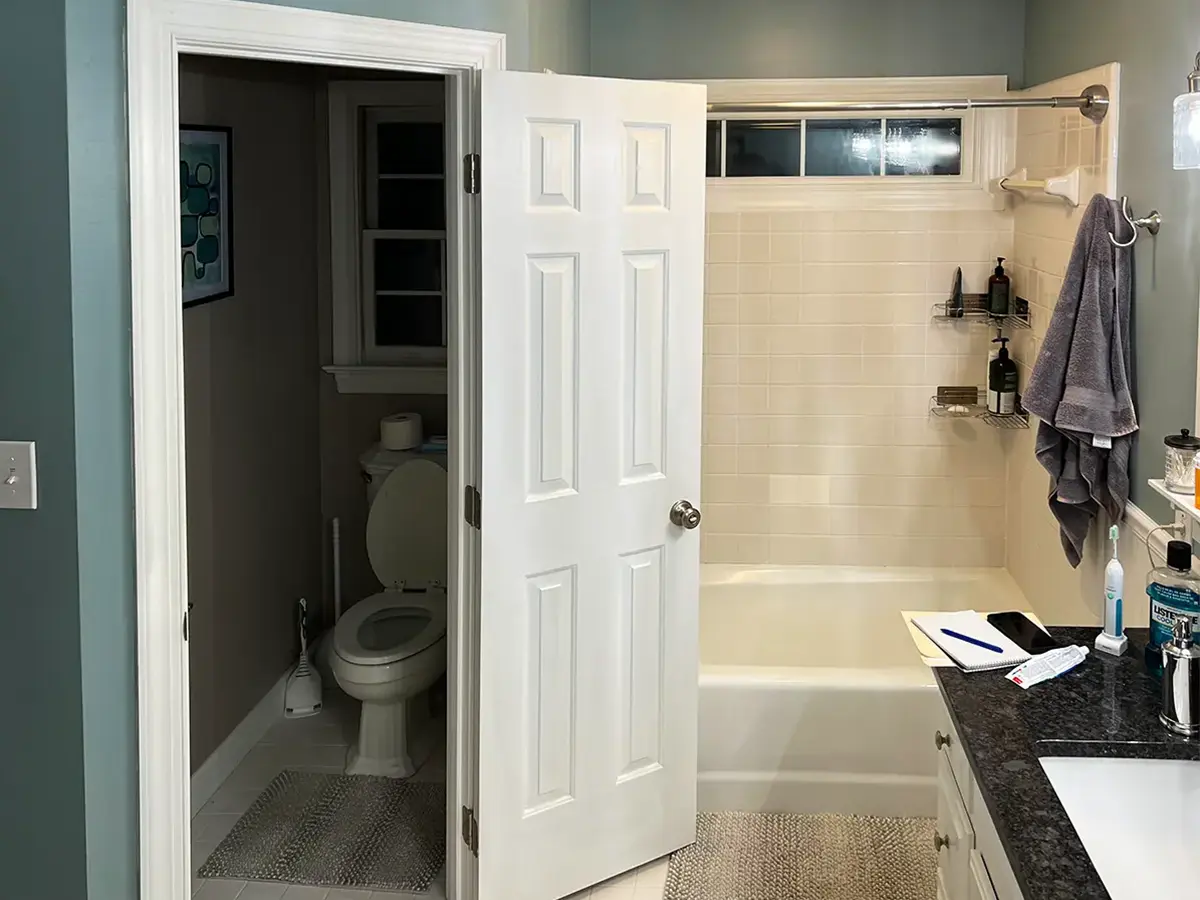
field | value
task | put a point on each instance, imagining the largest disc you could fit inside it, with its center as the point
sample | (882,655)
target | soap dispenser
(1002,382)
(999,290)
(1181,679)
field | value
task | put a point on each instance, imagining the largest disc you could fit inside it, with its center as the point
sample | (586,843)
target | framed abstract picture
(206,212)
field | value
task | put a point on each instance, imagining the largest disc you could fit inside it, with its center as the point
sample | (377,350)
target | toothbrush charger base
(1111,644)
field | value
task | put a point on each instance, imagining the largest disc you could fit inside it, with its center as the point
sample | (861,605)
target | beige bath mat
(338,830)
(765,856)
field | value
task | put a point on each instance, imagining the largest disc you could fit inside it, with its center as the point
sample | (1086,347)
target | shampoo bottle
(1112,639)
(1002,382)
(999,288)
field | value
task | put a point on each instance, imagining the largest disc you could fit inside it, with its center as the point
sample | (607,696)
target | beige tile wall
(820,359)
(1052,142)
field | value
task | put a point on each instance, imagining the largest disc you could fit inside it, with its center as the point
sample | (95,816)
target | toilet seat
(391,626)
(406,543)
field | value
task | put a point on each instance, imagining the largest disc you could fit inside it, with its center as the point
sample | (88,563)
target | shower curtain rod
(1092,103)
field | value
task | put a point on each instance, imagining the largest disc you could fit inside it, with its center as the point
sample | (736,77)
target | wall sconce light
(1187,123)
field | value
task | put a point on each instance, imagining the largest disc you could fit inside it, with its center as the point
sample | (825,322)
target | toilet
(390,648)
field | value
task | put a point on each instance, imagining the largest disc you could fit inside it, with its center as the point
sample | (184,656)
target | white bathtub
(812,696)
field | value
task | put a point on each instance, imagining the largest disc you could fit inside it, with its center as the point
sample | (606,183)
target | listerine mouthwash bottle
(1173,589)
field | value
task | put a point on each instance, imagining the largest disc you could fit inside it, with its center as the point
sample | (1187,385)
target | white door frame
(158,31)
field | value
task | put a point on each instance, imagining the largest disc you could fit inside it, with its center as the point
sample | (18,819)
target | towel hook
(1151,223)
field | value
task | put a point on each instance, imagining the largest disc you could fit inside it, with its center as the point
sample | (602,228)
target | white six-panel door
(592,310)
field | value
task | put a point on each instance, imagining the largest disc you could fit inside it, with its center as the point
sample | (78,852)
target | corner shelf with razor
(997,403)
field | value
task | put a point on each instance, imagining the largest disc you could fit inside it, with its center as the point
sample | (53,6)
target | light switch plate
(18,475)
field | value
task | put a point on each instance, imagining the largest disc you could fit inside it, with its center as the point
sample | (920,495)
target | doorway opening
(299,486)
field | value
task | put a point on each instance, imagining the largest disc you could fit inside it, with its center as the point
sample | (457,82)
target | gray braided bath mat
(338,830)
(763,856)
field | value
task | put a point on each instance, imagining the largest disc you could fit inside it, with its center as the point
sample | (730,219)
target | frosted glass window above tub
(842,146)
(923,147)
(762,149)
(712,140)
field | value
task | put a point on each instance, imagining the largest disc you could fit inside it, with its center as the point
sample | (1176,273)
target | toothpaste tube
(1046,666)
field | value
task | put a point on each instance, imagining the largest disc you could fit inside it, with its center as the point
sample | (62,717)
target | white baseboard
(252,729)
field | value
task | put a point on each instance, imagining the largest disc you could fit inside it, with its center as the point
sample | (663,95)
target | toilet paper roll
(401,431)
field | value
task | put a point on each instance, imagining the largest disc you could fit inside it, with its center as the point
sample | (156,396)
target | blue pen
(970,640)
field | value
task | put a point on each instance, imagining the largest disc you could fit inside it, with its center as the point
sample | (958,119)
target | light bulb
(1187,123)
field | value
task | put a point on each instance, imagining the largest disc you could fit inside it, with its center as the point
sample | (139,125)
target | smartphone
(1023,632)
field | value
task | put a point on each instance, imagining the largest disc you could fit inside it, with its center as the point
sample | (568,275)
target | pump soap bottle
(999,289)
(1002,382)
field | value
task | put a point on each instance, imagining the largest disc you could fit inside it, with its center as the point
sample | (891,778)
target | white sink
(1138,819)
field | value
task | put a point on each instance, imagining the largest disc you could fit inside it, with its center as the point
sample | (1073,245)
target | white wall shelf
(1184,502)
(389,379)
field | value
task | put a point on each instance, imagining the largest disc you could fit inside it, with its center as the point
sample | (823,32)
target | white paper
(1047,665)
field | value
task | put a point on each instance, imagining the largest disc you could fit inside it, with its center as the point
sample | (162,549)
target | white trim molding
(389,379)
(158,32)
(989,144)
(252,729)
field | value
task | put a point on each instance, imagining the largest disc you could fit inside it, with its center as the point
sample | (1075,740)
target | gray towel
(1080,384)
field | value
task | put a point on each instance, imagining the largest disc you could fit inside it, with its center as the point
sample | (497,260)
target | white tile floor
(316,744)
(319,744)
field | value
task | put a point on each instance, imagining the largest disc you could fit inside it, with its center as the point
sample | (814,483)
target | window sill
(736,194)
(389,379)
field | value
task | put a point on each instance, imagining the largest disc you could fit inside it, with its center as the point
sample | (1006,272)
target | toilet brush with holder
(303,694)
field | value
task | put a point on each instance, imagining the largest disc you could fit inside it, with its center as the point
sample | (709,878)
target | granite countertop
(1104,707)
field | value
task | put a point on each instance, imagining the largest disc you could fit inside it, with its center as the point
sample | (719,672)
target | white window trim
(357,367)
(989,147)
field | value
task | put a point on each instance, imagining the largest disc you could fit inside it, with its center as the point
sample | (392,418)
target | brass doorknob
(685,515)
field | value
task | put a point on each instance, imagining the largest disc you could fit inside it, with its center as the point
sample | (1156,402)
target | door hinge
(187,616)
(471,173)
(470,830)
(472,506)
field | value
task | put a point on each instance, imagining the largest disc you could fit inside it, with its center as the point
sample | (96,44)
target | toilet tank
(378,463)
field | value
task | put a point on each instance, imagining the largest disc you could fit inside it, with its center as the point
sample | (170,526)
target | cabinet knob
(941,740)
(940,842)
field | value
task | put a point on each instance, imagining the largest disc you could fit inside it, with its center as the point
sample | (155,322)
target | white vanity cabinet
(972,864)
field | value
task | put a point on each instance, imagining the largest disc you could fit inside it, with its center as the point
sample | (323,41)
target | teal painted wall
(42,824)
(68,755)
(99,264)
(806,38)
(1156,44)
(559,36)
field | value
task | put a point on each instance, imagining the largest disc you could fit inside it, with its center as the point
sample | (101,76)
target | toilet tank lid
(379,462)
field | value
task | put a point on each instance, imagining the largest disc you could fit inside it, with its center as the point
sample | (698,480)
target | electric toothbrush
(1112,639)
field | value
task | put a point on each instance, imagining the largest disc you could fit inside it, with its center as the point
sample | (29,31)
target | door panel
(592,305)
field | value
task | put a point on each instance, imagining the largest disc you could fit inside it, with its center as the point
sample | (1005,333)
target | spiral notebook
(971,657)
